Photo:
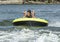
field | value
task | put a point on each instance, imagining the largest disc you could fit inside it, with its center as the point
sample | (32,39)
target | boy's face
(28,13)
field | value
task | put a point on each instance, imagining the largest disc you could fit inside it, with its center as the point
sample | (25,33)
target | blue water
(10,33)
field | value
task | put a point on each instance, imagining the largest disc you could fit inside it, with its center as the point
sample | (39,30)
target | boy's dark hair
(29,11)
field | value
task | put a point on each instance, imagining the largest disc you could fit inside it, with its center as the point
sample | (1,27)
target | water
(10,33)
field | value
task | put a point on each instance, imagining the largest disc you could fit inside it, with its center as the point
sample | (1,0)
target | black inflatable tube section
(30,23)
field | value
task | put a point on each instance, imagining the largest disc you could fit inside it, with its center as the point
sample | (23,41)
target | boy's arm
(33,14)
(25,12)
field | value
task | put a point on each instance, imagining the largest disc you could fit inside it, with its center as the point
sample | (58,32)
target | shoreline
(38,4)
(23,3)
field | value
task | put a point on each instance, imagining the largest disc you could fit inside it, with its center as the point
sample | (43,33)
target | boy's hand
(33,14)
(25,12)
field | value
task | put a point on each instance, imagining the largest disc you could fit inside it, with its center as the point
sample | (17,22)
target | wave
(27,35)
(54,24)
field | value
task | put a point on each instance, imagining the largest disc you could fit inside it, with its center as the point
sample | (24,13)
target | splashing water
(54,24)
(27,35)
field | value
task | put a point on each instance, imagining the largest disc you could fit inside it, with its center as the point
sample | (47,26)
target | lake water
(10,33)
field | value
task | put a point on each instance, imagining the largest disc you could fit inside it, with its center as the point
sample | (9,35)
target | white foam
(54,24)
(27,35)
(48,38)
